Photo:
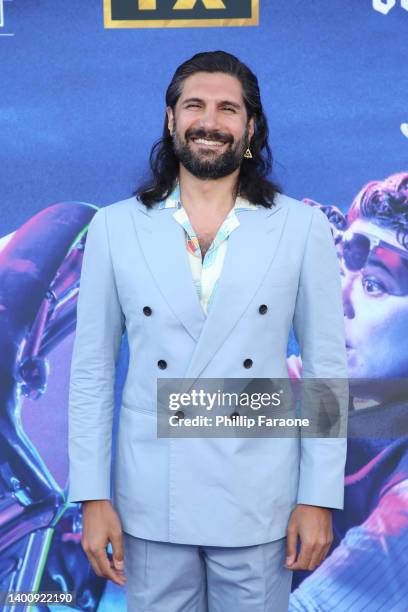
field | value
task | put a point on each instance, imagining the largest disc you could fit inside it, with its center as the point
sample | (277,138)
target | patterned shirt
(206,272)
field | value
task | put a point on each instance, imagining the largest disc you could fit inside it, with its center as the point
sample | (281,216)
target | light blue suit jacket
(225,491)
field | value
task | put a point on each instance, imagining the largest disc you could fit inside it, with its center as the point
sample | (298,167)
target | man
(364,570)
(202,271)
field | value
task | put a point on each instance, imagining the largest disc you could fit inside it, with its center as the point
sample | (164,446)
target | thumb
(291,541)
(117,548)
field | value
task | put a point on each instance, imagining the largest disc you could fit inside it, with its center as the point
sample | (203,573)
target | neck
(210,197)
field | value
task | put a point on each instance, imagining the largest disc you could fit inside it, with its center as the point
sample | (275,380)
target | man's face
(376,321)
(210,128)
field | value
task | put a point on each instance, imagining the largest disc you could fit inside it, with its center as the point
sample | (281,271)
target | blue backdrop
(81,105)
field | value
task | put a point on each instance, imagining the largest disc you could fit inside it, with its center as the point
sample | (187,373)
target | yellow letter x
(190,4)
(147,5)
(151,5)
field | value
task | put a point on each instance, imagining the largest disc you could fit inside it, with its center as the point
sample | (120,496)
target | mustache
(214,135)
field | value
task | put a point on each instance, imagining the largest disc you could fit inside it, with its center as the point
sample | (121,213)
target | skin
(313,526)
(101,525)
(375,321)
(211,102)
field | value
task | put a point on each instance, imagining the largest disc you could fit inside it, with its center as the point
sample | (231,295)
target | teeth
(208,142)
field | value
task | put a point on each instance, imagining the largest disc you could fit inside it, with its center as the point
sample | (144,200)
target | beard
(208,163)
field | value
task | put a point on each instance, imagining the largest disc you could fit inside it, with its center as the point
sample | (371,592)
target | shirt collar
(173,201)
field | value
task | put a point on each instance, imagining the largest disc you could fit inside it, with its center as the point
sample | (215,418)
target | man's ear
(170,118)
(251,126)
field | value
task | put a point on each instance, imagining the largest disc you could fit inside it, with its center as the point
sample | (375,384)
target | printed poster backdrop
(80,106)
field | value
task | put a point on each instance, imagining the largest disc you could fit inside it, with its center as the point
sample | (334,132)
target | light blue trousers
(166,577)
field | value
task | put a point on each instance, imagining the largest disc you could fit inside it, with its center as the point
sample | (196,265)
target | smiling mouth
(208,143)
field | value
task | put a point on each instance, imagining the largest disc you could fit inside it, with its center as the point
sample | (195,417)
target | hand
(313,525)
(101,525)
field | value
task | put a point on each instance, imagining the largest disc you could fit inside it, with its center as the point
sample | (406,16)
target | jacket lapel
(162,242)
(250,252)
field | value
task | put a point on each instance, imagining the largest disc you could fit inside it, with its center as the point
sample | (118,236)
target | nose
(209,118)
(347,281)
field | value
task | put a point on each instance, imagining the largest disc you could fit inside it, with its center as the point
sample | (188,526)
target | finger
(304,557)
(291,542)
(94,564)
(117,549)
(324,553)
(92,561)
(120,574)
(105,567)
(315,558)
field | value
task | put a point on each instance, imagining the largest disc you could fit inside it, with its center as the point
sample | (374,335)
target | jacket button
(147,311)
(263,309)
(179,414)
(248,363)
(162,364)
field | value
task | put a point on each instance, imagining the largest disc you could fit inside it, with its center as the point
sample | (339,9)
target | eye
(193,105)
(373,286)
(229,109)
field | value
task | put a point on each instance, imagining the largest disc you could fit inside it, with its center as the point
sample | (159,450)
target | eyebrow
(221,103)
(379,264)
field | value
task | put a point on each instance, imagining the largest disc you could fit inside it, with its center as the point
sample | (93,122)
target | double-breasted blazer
(136,278)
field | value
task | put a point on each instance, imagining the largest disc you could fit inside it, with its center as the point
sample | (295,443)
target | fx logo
(384,6)
(180,13)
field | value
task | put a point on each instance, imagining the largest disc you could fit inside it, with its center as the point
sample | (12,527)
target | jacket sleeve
(100,323)
(319,328)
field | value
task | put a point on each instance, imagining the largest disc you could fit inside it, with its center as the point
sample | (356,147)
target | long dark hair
(252,182)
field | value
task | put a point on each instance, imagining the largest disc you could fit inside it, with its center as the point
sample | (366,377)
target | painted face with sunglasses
(374,272)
